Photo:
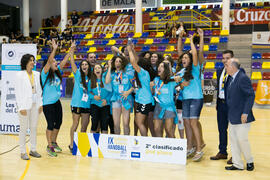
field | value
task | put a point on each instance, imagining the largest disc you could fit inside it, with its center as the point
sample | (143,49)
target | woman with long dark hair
(80,102)
(51,78)
(100,101)
(143,95)
(164,95)
(29,101)
(192,100)
(121,89)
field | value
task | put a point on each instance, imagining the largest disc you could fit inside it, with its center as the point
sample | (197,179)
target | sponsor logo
(10,54)
(135,155)
(9,128)
(118,144)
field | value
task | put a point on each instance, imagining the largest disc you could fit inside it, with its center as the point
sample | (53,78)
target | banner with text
(123,4)
(151,149)
(244,16)
(263,92)
(11,58)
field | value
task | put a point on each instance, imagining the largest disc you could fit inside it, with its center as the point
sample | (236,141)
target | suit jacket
(23,90)
(240,98)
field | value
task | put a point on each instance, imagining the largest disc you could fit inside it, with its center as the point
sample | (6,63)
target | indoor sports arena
(134,89)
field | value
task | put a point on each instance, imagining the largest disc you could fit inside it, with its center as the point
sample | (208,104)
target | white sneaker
(198,156)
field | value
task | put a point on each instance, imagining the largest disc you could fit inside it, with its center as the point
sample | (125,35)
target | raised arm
(201,57)
(193,51)
(51,57)
(180,44)
(72,61)
(116,51)
(133,58)
(108,75)
(65,60)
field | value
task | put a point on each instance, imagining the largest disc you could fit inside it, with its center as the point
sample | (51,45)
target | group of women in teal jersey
(161,94)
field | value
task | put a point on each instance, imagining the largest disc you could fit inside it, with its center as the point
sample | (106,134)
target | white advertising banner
(11,58)
(151,149)
(261,38)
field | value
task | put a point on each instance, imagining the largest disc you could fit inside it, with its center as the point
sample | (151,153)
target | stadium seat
(245,5)
(259,4)
(98,42)
(155,18)
(123,35)
(145,48)
(205,48)
(113,11)
(145,35)
(208,75)
(211,56)
(210,6)
(175,56)
(125,41)
(173,41)
(137,35)
(88,36)
(141,41)
(102,36)
(108,57)
(208,11)
(223,39)
(157,41)
(160,34)
(207,33)
(195,7)
(135,41)
(209,65)
(217,6)
(215,75)
(152,13)
(187,7)
(100,49)
(175,18)
(266,56)
(256,56)
(119,42)
(237,5)
(167,54)
(101,57)
(111,42)
(95,36)
(165,41)
(187,41)
(116,35)
(219,65)
(38,57)
(152,34)
(108,36)
(219,56)
(149,41)
(203,7)
(160,9)
(169,49)
(130,35)
(256,76)
(186,48)
(216,33)
(107,49)
(256,65)
(138,48)
(82,36)
(214,40)
(266,65)
(92,50)
(161,48)
(251,5)
(224,33)
(213,47)
(266,4)
(266,76)
(82,43)
(90,43)
(104,42)
(153,48)
(206,40)
(85,49)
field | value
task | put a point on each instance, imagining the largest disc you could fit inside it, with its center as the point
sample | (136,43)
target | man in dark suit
(221,107)
(239,98)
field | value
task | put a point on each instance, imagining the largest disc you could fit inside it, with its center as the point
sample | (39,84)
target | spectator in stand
(174,30)
(42,38)
(66,35)
(75,19)
(168,31)
(181,28)
(19,36)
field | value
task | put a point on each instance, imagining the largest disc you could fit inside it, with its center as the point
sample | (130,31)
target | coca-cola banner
(245,16)
(110,23)
(123,4)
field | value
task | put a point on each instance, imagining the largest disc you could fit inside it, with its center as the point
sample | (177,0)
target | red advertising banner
(245,16)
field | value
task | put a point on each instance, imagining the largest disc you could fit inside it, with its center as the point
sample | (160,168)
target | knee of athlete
(50,127)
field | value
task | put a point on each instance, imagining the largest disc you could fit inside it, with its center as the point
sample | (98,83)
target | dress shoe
(229,161)
(219,156)
(250,166)
(232,168)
